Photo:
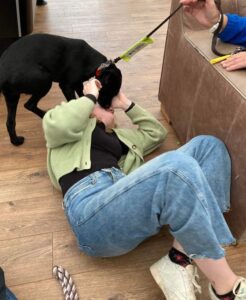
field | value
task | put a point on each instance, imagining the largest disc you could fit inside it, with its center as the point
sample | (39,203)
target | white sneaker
(240,294)
(176,282)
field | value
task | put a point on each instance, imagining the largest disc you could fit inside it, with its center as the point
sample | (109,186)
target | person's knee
(217,146)
(209,140)
(178,161)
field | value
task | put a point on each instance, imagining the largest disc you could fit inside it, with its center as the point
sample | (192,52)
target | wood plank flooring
(34,233)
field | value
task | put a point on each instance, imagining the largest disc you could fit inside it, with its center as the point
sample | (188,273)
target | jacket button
(134,147)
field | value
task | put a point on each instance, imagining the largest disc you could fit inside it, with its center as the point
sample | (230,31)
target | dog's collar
(103,66)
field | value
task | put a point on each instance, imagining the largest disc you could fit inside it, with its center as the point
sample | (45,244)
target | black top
(106,150)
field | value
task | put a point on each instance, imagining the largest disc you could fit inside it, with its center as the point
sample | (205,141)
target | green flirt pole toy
(143,42)
(139,45)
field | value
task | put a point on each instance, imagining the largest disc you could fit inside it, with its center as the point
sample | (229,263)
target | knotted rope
(66,282)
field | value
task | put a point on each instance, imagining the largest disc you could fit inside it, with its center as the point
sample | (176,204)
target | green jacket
(68,129)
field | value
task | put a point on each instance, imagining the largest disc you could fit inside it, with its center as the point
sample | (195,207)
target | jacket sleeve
(235,30)
(66,122)
(150,133)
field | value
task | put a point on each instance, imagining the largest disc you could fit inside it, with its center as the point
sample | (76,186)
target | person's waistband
(70,179)
(115,171)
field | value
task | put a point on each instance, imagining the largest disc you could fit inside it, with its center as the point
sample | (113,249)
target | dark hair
(111,80)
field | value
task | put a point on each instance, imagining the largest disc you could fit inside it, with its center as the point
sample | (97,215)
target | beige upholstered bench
(200,98)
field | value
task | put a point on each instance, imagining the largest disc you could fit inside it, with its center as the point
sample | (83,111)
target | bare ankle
(222,288)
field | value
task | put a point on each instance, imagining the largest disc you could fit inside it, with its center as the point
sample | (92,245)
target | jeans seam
(192,186)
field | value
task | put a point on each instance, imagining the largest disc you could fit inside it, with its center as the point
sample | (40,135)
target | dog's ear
(111,80)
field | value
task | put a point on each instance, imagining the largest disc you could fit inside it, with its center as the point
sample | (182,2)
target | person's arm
(235,30)
(66,122)
(235,62)
(207,14)
(150,132)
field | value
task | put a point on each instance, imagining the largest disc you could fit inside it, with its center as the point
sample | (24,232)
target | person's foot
(176,282)
(238,292)
(41,2)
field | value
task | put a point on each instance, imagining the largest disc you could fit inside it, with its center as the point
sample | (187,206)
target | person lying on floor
(233,28)
(114,201)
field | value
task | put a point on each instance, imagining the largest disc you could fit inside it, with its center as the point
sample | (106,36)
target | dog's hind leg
(11,103)
(68,92)
(32,103)
(79,91)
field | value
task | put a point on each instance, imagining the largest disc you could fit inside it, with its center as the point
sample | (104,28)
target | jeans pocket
(87,200)
(75,200)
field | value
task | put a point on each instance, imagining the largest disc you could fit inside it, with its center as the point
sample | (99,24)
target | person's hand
(235,62)
(205,12)
(92,86)
(120,101)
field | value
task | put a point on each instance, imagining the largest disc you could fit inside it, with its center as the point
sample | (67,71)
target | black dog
(31,64)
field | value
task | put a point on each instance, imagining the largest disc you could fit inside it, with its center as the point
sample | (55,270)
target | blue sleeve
(235,30)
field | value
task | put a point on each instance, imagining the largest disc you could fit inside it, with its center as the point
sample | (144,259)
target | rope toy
(66,282)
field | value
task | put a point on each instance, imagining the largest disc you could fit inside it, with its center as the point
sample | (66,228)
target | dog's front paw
(17,141)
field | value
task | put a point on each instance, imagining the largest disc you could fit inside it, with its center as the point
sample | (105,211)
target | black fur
(31,64)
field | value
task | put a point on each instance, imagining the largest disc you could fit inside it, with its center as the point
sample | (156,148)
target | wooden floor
(34,233)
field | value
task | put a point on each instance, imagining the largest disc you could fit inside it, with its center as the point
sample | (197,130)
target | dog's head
(111,78)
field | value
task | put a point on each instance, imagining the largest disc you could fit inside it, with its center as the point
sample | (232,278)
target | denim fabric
(10,295)
(187,189)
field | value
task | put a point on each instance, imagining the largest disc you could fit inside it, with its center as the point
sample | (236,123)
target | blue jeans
(187,189)
(10,295)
